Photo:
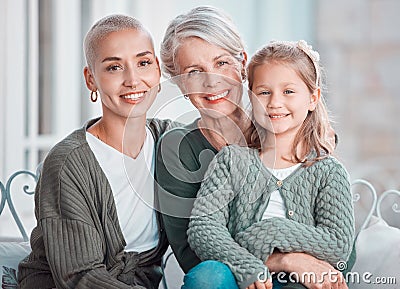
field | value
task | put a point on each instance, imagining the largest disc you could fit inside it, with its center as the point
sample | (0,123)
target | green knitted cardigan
(226,218)
(78,242)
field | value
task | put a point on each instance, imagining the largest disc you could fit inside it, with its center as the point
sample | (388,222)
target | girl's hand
(261,285)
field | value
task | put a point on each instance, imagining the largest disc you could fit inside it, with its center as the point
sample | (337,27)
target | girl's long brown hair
(314,132)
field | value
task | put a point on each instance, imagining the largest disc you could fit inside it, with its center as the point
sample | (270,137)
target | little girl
(284,192)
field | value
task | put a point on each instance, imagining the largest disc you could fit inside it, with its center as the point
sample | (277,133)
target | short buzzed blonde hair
(105,26)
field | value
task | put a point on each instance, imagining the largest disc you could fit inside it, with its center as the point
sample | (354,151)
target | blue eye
(288,91)
(264,92)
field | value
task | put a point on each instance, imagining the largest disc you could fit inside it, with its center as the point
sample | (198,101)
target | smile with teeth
(277,116)
(218,96)
(133,96)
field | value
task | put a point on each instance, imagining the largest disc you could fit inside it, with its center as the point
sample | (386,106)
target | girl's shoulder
(235,154)
(241,151)
(328,167)
(330,162)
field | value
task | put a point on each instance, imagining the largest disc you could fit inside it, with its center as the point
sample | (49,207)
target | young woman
(96,226)
(286,192)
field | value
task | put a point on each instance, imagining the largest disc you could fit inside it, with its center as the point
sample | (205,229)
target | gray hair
(105,26)
(205,22)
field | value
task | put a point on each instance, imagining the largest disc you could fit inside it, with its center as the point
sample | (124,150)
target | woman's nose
(211,79)
(131,78)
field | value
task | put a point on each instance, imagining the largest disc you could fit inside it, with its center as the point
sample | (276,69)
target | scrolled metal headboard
(395,206)
(357,197)
(6,196)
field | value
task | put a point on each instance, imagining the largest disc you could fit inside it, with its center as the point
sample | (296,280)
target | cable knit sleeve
(208,234)
(330,238)
(74,246)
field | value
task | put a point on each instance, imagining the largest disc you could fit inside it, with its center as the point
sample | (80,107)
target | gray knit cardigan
(226,220)
(78,242)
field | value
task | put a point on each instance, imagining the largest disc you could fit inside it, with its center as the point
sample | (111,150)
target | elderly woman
(204,54)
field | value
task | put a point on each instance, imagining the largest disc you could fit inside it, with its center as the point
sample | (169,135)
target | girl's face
(280,98)
(126,73)
(210,76)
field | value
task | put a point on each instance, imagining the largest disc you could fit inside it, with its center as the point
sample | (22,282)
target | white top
(276,206)
(132,184)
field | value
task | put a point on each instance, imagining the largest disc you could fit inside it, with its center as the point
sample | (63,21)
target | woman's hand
(312,272)
(322,275)
(261,285)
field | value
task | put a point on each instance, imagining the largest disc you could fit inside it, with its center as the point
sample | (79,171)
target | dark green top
(183,156)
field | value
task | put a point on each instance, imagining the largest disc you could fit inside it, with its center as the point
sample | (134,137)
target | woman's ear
(315,97)
(89,79)
(244,60)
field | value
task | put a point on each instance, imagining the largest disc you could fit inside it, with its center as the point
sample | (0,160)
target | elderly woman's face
(210,76)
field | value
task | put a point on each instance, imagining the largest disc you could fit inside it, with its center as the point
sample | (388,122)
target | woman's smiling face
(210,76)
(126,73)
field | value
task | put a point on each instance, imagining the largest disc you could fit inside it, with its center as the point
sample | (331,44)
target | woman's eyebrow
(116,58)
(111,58)
(222,55)
(140,54)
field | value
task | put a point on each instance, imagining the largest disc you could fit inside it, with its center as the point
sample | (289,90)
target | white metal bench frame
(6,198)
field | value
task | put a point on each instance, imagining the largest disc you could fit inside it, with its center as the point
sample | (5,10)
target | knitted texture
(227,226)
(78,242)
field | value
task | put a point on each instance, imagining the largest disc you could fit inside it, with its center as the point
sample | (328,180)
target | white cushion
(378,253)
(11,253)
